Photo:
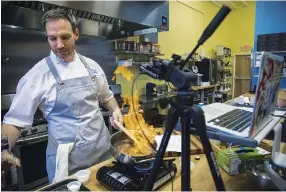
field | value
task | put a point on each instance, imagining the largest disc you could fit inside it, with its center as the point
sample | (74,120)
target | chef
(67,87)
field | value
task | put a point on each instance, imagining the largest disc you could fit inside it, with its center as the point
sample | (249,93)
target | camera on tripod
(182,108)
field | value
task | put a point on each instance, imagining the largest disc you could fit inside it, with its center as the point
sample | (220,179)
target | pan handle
(152,159)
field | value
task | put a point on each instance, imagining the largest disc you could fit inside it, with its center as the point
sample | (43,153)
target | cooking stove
(39,129)
(125,177)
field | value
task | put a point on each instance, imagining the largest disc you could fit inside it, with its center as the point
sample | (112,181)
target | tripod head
(173,71)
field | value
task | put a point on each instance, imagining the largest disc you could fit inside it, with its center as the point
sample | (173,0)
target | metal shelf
(257,76)
(275,52)
(138,53)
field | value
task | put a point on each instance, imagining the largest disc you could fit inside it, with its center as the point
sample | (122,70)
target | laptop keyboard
(237,120)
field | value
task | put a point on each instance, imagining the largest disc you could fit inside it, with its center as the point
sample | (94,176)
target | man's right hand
(10,157)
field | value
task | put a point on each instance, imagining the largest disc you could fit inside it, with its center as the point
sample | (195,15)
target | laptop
(248,122)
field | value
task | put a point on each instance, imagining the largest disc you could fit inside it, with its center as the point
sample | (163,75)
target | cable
(281,116)
(133,107)
(170,86)
(172,182)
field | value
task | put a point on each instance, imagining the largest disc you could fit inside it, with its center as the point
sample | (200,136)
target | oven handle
(31,140)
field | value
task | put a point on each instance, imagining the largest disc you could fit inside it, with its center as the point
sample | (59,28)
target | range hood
(108,19)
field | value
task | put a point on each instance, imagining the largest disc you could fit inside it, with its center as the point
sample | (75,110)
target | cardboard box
(232,160)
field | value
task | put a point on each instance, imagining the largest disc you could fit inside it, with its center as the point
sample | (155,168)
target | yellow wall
(241,28)
(187,20)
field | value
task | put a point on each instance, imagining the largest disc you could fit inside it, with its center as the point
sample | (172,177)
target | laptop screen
(267,90)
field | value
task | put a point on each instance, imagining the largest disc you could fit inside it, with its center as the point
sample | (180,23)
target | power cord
(133,107)
(281,116)
(170,86)
(172,182)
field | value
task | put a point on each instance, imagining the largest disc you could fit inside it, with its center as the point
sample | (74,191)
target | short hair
(55,14)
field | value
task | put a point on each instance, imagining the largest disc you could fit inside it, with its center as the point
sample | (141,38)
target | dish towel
(62,161)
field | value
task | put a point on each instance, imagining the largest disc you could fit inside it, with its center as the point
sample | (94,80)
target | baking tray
(62,186)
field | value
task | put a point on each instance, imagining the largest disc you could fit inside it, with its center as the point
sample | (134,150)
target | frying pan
(117,140)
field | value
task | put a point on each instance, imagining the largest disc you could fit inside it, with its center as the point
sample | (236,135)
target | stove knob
(34,130)
(24,133)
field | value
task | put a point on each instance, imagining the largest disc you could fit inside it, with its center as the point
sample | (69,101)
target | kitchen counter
(201,178)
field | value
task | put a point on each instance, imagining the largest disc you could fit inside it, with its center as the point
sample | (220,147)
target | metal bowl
(256,172)
(116,140)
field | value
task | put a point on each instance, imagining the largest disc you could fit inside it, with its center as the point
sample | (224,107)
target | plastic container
(74,186)
(83,175)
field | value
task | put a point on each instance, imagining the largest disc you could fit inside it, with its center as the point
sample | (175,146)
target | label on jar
(153,48)
(114,175)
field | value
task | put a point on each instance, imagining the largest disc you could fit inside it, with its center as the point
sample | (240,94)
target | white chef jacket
(37,88)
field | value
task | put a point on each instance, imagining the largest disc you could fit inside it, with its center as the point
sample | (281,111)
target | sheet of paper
(279,112)
(174,144)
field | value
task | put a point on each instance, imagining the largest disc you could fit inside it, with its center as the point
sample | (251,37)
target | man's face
(62,38)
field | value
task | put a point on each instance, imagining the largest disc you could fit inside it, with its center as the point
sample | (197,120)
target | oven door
(32,153)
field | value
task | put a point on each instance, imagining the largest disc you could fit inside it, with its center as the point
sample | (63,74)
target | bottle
(3,181)
(13,172)
(9,180)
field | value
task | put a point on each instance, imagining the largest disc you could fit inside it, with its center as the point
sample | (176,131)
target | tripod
(182,78)
(183,108)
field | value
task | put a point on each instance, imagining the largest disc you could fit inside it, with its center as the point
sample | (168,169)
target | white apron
(76,120)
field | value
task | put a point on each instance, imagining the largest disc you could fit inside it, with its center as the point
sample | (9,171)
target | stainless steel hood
(108,19)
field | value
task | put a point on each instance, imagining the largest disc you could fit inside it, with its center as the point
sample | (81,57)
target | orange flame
(131,122)
(124,71)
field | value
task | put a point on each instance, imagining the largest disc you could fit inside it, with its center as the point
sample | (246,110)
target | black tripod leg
(200,125)
(185,165)
(172,119)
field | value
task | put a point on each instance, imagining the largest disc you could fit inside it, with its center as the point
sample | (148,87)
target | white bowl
(74,186)
(83,175)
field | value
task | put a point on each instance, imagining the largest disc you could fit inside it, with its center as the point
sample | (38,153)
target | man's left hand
(116,115)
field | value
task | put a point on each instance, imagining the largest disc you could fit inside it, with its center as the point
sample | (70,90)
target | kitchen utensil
(144,148)
(277,174)
(256,172)
(117,139)
(122,128)
(83,175)
(62,186)
(74,186)
(199,79)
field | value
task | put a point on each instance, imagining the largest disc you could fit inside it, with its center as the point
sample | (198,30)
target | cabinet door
(242,74)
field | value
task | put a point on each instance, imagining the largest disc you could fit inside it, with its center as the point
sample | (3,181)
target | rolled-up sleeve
(24,105)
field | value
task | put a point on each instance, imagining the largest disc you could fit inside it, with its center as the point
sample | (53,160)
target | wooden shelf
(138,53)
(136,64)
(258,76)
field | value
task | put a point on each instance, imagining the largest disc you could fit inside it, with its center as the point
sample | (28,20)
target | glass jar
(153,48)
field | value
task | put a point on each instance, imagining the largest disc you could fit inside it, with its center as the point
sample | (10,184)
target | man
(67,88)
